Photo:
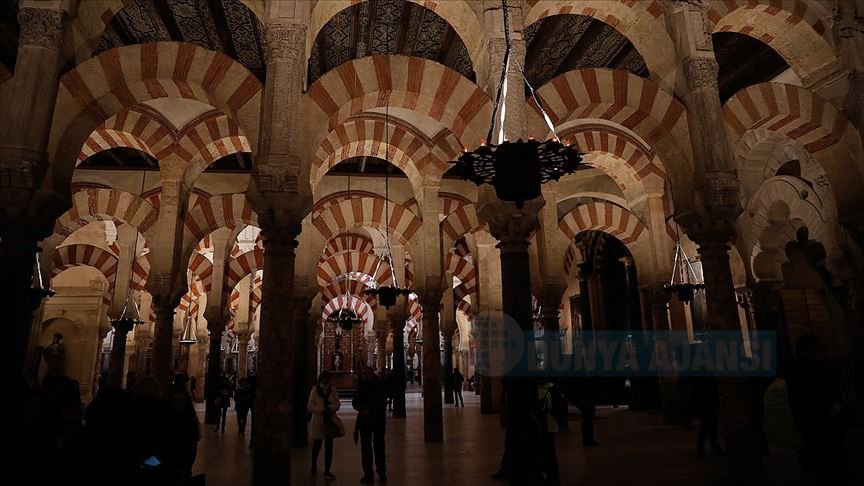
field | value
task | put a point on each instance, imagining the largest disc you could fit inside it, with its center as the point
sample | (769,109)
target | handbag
(333,427)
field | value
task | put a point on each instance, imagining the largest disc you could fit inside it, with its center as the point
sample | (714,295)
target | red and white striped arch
(126,76)
(106,139)
(632,163)
(352,262)
(355,287)
(357,212)
(140,272)
(641,21)
(202,269)
(793,28)
(450,202)
(225,210)
(636,104)
(347,243)
(460,222)
(415,84)
(358,305)
(813,123)
(242,265)
(365,135)
(69,256)
(95,204)
(608,218)
(462,269)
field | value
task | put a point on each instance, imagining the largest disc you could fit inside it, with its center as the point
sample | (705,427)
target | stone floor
(636,449)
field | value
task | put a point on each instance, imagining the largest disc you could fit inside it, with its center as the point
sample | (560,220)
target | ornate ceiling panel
(562,43)
(387,27)
(226,26)
(744,61)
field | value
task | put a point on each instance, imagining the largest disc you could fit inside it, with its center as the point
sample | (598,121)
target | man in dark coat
(370,401)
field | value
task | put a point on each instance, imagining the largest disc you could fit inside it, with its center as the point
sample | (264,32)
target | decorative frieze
(41,27)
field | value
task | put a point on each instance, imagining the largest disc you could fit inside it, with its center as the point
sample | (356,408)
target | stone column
(512,227)
(274,401)
(215,328)
(243,337)
(585,271)
(397,322)
(658,300)
(447,336)
(381,341)
(711,223)
(27,208)
(117,360)
(301,306)
(849,35)
(433,415)
(163,347)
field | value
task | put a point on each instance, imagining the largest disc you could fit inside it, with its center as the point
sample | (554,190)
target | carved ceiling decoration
(744,61)
(9,32)
(366,165)
(562,43)
(227,26)
(362,30)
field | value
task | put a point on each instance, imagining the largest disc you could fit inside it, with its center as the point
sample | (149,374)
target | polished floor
(636,449)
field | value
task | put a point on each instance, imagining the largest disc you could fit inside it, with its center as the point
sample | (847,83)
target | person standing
(323,405)
(548,426)
(223,400)
(370,401)
(458,381)
(242,404)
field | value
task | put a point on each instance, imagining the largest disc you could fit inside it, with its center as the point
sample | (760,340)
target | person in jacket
(323,405)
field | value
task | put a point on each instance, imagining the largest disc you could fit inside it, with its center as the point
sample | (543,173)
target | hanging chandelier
(683,286)
(37,294)
(517,169)
(128,322)
(188,337)
(344,320)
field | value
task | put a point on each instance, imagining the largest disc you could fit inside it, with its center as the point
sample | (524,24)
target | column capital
(41,27)
(512,226)
(285,42)
(280,237)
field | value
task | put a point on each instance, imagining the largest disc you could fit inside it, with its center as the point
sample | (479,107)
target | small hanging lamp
(188,337)
(686,286)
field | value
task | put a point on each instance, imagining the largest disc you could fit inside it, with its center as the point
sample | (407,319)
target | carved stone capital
(512,226)
(280,237)
(41,27)
(285,42)
(701,73)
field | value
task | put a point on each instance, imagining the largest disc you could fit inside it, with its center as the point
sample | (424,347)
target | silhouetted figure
(242,404)
(548,427)
(148,425)
(458,381)
(223,400)
(389,387)
(323,405)
(706,404)
(503,473)
(581,393)
(819,413)
(55,356)
(181,438)
(108,446)
(370,402)
(193,387)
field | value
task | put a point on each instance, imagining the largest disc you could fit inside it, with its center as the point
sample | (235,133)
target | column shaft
(381,341)
(274,404)
(301,373)
(398,323)
(448,366)
(214,371)
(117,360)
(433,415)
(163,350)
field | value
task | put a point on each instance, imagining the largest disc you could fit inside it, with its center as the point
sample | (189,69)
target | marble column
(513,227)
(381,342)
(27,208)
(711,223)
(433,415)
(162,367)
(215,328)
(397,317)
(274,401)
(302,385)
(117,360)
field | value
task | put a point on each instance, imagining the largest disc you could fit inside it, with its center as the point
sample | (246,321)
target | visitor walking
(458,381)
(370,401)
(223,400)
(324,424)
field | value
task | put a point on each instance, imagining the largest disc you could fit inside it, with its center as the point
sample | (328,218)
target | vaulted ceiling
(387,27)
(562,43)
(227,26)
(744,61)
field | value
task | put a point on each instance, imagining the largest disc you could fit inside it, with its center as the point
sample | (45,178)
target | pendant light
(516,169)
(188,337)
(128,321)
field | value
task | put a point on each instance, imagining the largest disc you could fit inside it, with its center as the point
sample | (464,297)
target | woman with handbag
(324,424)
